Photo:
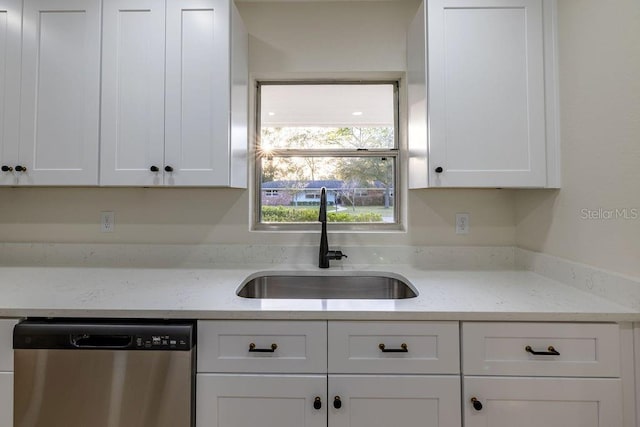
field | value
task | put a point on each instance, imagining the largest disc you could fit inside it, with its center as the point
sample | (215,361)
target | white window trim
(396,153)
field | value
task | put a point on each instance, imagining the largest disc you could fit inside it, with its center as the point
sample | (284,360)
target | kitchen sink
(294,286)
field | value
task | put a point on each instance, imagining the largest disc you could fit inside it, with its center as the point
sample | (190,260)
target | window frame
(394,153)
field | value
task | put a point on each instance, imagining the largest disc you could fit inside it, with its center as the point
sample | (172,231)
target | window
(339,136)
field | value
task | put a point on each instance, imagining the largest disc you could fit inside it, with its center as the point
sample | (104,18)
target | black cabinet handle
(21,168)
(403,349)
(337,403)
(317,403)
(477,405)
(439,169)
(154,169)
(168,169)
(550,351)
(253,349)
(5,168)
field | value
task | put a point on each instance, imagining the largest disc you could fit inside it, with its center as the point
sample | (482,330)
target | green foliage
(284,214)
(350,217)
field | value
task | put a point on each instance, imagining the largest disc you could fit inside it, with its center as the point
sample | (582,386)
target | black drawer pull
(550,351)
(337,403)
(317,403)
(477,405)
(403,349)
(253,349)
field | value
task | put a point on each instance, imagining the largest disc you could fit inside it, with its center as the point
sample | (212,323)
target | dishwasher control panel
(160,342)
(104,334)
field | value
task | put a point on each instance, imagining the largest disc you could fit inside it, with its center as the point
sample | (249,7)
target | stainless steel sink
(326,287)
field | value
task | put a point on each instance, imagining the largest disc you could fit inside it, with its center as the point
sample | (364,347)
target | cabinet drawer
(585,350)
(6,344)
(262,346)
(394,347)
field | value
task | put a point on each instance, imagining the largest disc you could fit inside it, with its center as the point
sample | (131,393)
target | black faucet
(325,254)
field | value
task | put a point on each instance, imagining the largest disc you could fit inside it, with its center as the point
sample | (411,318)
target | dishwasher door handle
(101,341)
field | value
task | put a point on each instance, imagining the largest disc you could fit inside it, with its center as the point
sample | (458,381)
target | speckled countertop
(210,293)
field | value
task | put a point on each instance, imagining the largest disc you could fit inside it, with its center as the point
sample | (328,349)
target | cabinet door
(6,399)
(549,402)
(10,31)
(383,401)
(6,347)
(486,93)
(197,92)
(60,92)
(132,127)
(260,400)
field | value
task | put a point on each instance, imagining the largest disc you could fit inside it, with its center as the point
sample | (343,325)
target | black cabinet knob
(154,169)
(21,168)
(317,403)
(439,169)
(168,169)
(337,403)
(477,405)
(6,168)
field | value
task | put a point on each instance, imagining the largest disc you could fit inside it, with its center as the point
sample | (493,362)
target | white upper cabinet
(60,92)
(485,115)
(197,92)
(10,31)
(168,72)
(132,128)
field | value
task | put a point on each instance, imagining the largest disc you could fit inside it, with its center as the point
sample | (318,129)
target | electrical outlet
(462,223)
(107,221)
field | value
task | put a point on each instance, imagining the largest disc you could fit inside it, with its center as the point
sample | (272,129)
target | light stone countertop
(209,293)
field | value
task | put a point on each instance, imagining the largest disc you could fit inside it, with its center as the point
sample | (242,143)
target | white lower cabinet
(236,400)
(541,374)
(549,402)
(389,400)
(6,399)
(239,400)
(6,372)
(355,374)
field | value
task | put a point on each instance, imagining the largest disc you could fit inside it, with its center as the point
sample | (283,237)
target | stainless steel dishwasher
(97,373)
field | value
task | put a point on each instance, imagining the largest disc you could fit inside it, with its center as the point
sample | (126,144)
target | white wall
(286,39)
(192,216)
(599,46)
(312,37)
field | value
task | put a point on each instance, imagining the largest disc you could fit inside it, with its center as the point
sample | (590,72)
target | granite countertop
(210,293)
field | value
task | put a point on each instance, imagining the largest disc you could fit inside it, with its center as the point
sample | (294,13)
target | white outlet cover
(462,223)
(107,221)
